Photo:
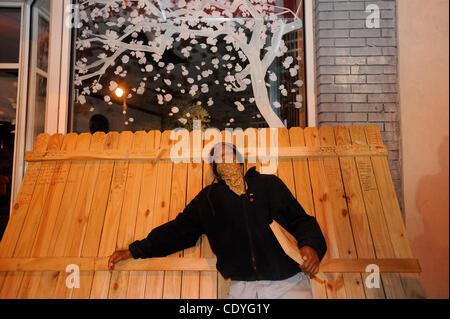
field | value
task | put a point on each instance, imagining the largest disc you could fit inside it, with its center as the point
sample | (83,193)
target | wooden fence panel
(84,196)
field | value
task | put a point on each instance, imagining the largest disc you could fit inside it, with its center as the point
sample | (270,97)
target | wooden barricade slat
(172,279)
(357,210)
(77,224)
(146,208)
(119,279)
(11,285)
(108,240)
(324,212)
(392,214)
(22,204)
(380,233)
(304,194)
(287,174)
(352,281)
(91,241)
(62,190)
(155,279)
(190,283)
(208,280)
(83,196)
(30,264)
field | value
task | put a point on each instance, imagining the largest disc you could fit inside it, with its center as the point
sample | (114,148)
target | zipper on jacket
(249,233)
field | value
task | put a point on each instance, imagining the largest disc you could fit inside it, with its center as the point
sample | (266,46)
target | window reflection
(10,21)
(38,70)
(230,66)
(10,34)
(8,106)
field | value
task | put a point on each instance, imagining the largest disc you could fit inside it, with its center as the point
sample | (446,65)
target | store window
(141,65)
(10,21)
(29,112)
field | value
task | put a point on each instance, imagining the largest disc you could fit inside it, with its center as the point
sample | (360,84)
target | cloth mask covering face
(233,176)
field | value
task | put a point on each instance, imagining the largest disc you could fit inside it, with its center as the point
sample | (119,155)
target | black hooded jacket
(238,229)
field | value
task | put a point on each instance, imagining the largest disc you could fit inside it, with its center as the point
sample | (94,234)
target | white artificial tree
(253,29)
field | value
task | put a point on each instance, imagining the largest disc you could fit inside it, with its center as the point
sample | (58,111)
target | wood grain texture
(70,227)
(380,232)
(22,204)
(96,218)
(119,279)
(190,286)
(208,280)
(304,193)
(404,265)
(325,214)
(163,154)
(155,279)
(392,213)
(144,219)
(356,209)
(84,196)
(290,246)
(25,241)
(347,249)
(63,189)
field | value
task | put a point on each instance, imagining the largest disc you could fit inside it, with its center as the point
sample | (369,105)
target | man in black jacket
(235,214)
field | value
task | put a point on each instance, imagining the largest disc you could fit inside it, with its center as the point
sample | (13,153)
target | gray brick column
(357,71)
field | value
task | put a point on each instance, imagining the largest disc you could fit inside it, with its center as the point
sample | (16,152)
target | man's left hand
(311,261)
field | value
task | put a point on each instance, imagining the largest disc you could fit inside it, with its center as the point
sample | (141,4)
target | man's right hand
(311,261)
(117,256)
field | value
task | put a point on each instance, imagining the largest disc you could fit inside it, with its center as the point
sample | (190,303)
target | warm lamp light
(119,92)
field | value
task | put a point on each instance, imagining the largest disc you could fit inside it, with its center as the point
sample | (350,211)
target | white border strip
(310,64)
(54,67)
(21,112)
(64,89)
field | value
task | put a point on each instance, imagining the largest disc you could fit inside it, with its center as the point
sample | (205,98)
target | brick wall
(357,71)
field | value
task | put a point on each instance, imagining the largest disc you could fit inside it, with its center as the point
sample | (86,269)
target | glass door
(24,52)
(10,26)
(38,70)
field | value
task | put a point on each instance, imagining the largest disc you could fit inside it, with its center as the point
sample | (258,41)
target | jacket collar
(251,172)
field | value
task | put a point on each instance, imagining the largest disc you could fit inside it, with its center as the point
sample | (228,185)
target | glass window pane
(234,66)
(8,95)
(10,35)
(8,104)
(40,104)
(43,43)
(38,71)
